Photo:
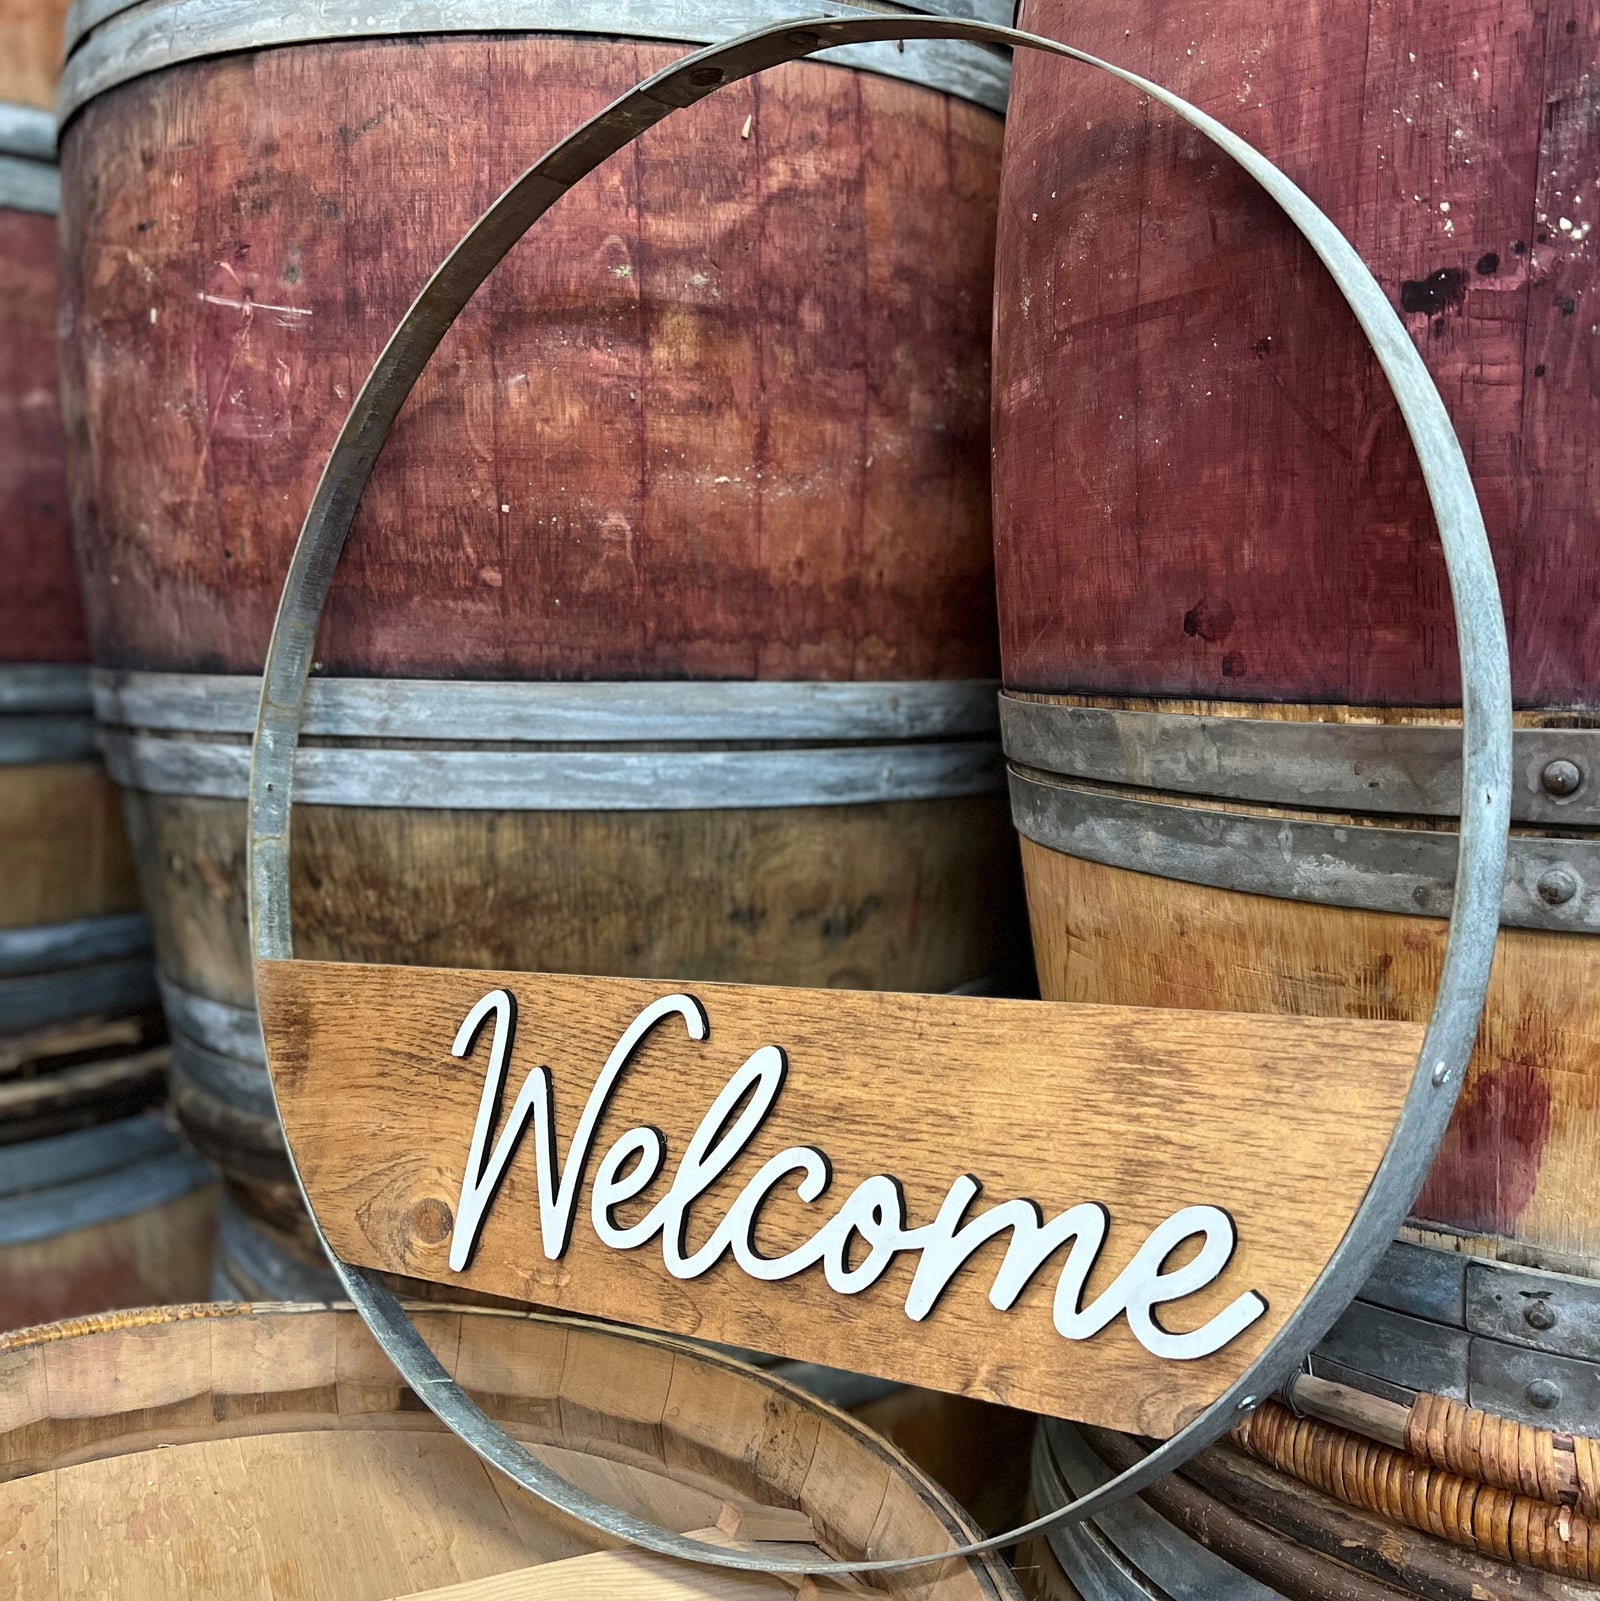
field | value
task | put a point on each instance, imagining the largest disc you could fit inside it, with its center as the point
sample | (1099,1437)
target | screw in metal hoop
(1543,1394)
(1561,777)
(1557,886)
(1441,1075)
(1538,1315)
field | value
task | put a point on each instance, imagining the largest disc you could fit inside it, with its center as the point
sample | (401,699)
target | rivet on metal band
(1480,635)
(110,42)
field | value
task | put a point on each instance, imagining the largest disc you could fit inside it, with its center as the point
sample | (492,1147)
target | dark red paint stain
(1443,290)
(1211,619)
(1488,1162)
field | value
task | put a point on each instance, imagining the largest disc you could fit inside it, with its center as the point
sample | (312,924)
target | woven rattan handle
(1486,765)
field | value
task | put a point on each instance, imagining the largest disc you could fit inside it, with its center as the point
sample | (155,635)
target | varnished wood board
(1278,1122)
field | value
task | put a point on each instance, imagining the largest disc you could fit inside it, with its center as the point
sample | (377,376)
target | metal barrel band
(1486,737)
(570,781)
(29,181)
(46,737)
(823,711)
(1551,883)
(1405,768)
(43,687)
(111,42)
(1519,1342)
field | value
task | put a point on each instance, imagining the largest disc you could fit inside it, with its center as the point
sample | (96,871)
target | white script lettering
(874,1211)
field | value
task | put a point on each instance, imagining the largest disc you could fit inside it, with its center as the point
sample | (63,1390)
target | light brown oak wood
(1517,1164)
(1281,1122)
(63,853)
(213,1453)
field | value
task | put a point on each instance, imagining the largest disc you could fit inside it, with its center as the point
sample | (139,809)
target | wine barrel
(1235,758)
(336,1481)
(666,642)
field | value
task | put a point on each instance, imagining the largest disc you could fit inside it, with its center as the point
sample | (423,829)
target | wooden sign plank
(1097,1212)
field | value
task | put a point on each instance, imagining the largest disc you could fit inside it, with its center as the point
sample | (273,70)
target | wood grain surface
(921,895)
(204,1453)
(724,415)
(1281,1122)
(1517,1161)
(1202,486)
(63,853)
(41,615)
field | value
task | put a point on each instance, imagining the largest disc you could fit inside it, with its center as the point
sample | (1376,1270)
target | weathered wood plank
(1280,1122)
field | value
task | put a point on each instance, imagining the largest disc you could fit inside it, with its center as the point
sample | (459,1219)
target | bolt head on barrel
(1561,778)
(1543,1394)
(1557,886)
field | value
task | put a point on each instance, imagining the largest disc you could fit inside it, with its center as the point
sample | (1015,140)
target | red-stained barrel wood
(724,416)
(1206,503)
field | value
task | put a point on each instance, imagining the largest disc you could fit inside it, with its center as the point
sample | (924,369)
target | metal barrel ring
(1486,733)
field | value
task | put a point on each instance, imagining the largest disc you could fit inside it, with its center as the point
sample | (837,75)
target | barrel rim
(993,1576)
(112,42)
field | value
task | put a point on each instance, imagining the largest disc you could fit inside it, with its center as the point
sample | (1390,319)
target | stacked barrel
(99,1206)
(1231,687)
(665,641)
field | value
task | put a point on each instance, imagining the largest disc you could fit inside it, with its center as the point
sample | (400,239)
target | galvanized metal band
(1408,768)
(108,989)
(87,1203)
(250,1266)
(113,43)
(557,713)
(568,781)
(1550,884)
(43,687)
(232,1031)
(1485,675)
(84,1154)
(1131,1552)
(29,739)
(83,942)
(29,185)
(27,131)
(1515,1341)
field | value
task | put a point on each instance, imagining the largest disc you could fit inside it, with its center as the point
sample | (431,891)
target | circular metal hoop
(1486,735)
